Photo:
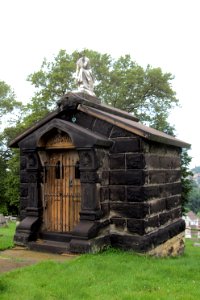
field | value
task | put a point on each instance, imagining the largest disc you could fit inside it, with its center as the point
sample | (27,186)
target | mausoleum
(94,176)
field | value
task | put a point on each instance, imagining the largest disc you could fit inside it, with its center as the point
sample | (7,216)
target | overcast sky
(162,33)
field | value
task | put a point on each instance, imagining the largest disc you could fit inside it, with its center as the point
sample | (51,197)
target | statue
(84,76)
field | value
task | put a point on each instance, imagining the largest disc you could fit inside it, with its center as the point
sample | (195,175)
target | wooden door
(62,191)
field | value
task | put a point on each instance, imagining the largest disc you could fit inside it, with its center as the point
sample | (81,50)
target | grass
(6,236)
(110,275)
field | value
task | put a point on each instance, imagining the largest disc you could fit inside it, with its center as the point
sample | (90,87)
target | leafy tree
(7,100)
(185,178)
(122,83)
(9,179)
(2,185)
(194,198)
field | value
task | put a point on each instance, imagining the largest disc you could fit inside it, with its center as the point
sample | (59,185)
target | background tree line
(145,92)
(194,194)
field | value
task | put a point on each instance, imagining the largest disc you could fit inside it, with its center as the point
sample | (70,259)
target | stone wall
(141,189)
(145,195)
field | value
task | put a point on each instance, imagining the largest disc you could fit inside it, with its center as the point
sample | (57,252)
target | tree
(7,100)
(194,198)
(122,83)
(9,179)
(185,178)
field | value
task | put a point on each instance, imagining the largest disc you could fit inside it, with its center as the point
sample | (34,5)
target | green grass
(6,236)
(109,275)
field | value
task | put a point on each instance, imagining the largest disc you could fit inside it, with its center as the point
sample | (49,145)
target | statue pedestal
(72,100)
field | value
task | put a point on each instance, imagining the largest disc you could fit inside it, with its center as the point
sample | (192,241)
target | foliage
(9,178)
(110,275)
(6,236)
(196,170)
(7,100)
(9,160)
(185,178)
(194,198)
(122,83)
(3,208)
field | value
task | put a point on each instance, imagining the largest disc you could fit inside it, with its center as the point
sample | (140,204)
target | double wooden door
(62,191)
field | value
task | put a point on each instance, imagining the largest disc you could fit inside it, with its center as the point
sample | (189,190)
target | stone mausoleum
(94,176)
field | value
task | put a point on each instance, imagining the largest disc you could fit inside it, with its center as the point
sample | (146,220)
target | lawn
(110,275)
(6,236)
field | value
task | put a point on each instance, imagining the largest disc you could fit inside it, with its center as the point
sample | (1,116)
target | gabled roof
(192,216)
(91,106)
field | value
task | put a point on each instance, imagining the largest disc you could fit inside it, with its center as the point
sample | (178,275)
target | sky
(162,33)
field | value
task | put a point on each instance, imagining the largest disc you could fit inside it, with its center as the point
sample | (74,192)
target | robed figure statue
(84,77)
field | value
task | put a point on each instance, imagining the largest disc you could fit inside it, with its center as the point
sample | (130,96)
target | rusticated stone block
(142,193)
(102,127)
(159,237)
(151,223)
(169,189)
(163,176)
(163,149)
(136,226)
(151,191)
(169,231)
(127,242)
(176,228)
(130,210)
(129,177)
(157,206)
(142,227)
(123,145)
(117,161)
(176,213)
(84,120)
(119,132)
(117,193)
(173,201)
(118,222)
(135,161)
(135,194)
(164,217)
(162,162)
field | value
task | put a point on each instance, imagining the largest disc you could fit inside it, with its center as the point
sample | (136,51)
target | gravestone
(188,233)
(2,220)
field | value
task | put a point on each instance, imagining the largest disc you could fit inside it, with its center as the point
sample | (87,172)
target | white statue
(84,77)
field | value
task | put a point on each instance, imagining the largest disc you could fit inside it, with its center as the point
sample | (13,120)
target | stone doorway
(62,191)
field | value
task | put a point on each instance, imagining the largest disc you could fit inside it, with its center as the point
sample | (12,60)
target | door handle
(70,183)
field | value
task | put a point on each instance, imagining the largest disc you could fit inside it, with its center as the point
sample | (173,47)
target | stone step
(55,236)
(49,246)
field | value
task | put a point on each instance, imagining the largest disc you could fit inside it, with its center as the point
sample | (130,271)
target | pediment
(56,139)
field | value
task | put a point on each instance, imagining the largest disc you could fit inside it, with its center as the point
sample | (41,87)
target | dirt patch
(20,257)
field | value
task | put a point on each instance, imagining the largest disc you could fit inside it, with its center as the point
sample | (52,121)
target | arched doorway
(61,183)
